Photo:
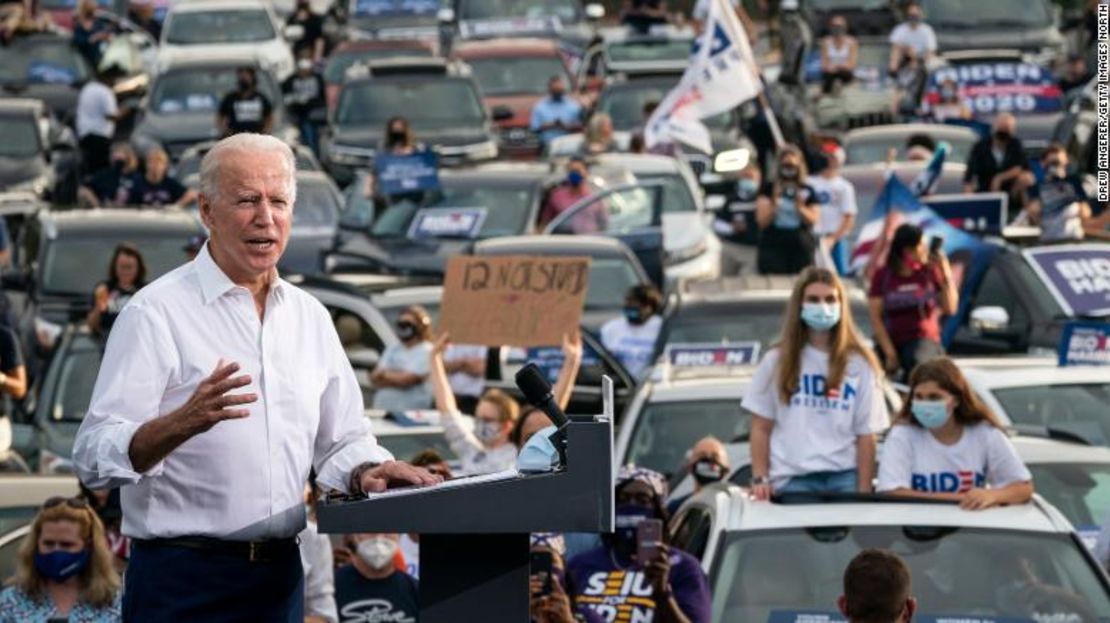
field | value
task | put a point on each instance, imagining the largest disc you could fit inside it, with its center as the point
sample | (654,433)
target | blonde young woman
(815,398)
(64,569)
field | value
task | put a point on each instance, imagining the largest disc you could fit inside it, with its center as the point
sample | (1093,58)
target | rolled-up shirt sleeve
(137,364)
(343,439)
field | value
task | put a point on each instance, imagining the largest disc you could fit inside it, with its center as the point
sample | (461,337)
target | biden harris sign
(1077,275)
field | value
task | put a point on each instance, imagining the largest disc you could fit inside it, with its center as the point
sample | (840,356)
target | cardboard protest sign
(513,300)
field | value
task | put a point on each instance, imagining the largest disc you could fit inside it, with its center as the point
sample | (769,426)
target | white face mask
(377,552)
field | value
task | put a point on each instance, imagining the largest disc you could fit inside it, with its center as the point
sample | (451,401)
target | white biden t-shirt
(912,458)
(816,430)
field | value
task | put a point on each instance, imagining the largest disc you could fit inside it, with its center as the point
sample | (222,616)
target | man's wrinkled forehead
(252,173)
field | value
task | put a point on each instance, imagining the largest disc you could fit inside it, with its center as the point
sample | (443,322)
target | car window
(520,75)
(1081,491)
(565,10)
(664,430)
(507,210)
(21,137)
(956,14)
(872,149)
(240,26)
(316,206)
(431,103)
(995,292)
(1076,408)
(962,573)
(614,213)
(338,64)
(199,89)
(75,385)
(676,192)
(37,61)
(406,446)
(71,266)
(692,532)
(648,51)
(625,105)
(610,279)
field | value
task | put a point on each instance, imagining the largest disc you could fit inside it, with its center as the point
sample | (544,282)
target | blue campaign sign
(712,355)
(394,8)
(549,359)
(1077,275)
(549,25)
(1085,344)
(992,88)
(447,223)
(977,213)
(49,73)
(805,616)
(405,174)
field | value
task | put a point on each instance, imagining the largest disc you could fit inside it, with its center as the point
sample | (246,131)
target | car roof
(117,219)
(598,246)
(509,172)
(659,32)
(748,288)
(639,164)
(1039,451)
(702,384)
(749,515)
(412,295)
(505,47)
(10,105)
(19,490)
(1031,375)
(366,45)
(901,130)
(199,6)
(200,57)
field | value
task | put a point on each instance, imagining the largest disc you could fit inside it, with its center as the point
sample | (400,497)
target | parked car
(226,28)
(44,67)
(871,145)
(566,20)
(1028,26)
(315,223)
(37,154)
(390,21)
(350,53)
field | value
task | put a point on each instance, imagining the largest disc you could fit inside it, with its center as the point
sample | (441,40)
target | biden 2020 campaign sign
(405,174)
(1077,275)
(695,355)
(1085,343)
(992,88)
(447,223)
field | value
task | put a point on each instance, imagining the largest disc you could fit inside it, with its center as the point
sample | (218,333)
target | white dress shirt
(243,479)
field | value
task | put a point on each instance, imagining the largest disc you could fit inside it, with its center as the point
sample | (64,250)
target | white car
(784,561)
(226,27)
(1034,393)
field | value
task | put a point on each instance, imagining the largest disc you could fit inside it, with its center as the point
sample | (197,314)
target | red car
(350,52)
(513,76)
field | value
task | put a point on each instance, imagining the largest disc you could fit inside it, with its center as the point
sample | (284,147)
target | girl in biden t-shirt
(815,398)
(947,445)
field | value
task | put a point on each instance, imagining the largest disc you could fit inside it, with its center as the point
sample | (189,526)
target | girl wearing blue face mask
(815,398)
(947,445)
(631,338)
(64,570)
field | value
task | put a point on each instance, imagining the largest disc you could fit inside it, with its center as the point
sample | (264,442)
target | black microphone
(537,391)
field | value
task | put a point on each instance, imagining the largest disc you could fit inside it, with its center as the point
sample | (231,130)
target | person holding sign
(401,377)
(815,398)
(1059,204)
(631,338)
(947,445)
(490,448)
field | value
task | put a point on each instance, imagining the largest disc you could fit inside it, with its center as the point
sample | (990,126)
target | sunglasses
(78,503)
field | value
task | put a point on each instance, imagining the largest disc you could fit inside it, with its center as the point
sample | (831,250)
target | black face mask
(707,471)
(246,84)
(1002,136)
(557,96)
(406,331)
(396,138)
(788,172)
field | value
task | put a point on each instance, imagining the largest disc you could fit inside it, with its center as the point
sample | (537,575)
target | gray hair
(246,141)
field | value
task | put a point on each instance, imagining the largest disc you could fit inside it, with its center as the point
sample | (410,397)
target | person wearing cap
(304,93)
(670,587)
(838,206)
(245,109)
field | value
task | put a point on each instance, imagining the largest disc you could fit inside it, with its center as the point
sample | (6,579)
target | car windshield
(76,379)
(1081,491)
(843,5)
(565,10)
(623,52)
(316,207)
(994,14)
(872,149)
(406,446)
(240,26)
(522,75)
(199,90)
(626,106)
(43,61)
(1076,408)
(676,192)
(960,574)
(21,137)
(507,210)
(71,265)
(426,103)
(758,321)
(610,279)
(338,64)
(665,430)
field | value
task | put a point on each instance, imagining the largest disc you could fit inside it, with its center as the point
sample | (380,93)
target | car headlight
(350,156)
(51,463)
(684,255)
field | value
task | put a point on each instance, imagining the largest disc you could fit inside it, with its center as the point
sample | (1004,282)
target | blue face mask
(746,188)
(931,414)
(627,518)
(635,315)
(60,566)
(819,316)
(538,453)
(486,431)
(574,178)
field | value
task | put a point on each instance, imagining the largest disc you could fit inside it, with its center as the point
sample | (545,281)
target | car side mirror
(364,358)
(595,12)
(293,32)
(990,319)
(502,113)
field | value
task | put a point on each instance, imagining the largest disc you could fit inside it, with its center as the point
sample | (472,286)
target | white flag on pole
(721,76)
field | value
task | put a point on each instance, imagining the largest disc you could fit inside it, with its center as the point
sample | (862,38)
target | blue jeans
(840,258)
(822,482)
(310,135)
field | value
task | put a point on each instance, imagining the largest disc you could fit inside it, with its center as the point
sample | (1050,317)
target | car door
(994,290)
(631,213)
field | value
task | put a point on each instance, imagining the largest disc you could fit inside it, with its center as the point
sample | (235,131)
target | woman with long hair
(786,211)
(946,444)
(815,397)
(399,139)
(907,298)
(126,276)
(64,569)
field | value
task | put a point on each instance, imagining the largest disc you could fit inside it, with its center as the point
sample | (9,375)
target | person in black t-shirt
(126,276)
(13,374)
(313,39)
(111,185)
(371,588)
(245,109)
(998,163)
(304,93)
(154,187)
